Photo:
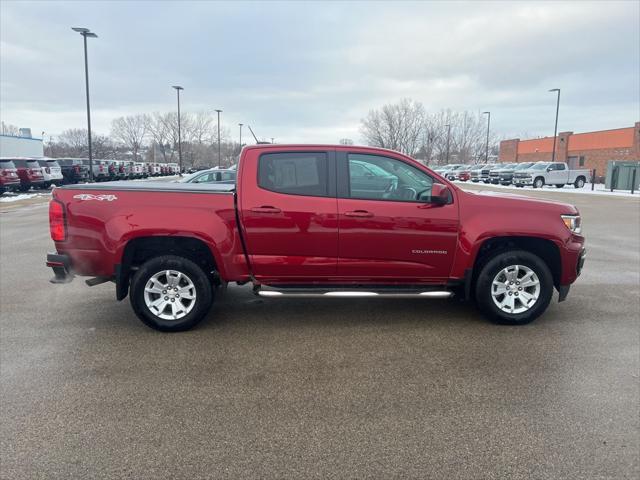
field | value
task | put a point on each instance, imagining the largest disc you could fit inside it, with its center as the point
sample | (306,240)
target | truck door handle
(266,209)
(358,213)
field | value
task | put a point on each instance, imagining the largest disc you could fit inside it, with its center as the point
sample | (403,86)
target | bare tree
(8,129)
(130,131)
(396,126)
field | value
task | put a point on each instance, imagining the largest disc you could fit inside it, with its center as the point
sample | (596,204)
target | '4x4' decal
(89,196)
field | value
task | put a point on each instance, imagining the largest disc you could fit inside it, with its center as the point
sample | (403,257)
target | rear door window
(294,173)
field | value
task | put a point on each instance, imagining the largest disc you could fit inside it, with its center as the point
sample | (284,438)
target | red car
(30,173)
(9,179)
(308,220)
(464,176)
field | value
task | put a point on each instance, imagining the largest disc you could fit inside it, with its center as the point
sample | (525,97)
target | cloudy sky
(308,72)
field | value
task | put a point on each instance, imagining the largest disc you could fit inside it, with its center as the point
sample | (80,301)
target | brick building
(580,150)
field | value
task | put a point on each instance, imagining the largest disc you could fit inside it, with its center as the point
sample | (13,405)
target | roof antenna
(254,136)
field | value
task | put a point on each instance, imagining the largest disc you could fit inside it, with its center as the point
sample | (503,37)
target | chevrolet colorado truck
(315,221)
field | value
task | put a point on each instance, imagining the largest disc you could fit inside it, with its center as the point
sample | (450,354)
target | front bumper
(61,266)
(563,290)
(522,181)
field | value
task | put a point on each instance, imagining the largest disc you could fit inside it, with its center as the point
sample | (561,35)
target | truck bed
(155,186)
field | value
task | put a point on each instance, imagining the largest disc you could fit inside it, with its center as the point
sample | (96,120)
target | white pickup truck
(550,173)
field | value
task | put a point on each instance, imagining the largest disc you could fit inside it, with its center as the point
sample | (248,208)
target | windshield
(189,178)
(524,166)
(7,164)
(540,166)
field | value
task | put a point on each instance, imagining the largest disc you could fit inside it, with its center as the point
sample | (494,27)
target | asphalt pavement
(340,388)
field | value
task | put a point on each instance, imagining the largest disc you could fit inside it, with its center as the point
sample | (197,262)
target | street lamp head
(486,113)
(241,124)
(177,87)
(85,32)
(554,90)
(219,111)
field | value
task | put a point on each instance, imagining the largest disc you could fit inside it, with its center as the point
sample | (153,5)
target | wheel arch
(544,248)
(140,249)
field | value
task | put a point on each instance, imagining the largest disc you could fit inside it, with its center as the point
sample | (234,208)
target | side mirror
(440,194)
(549,169)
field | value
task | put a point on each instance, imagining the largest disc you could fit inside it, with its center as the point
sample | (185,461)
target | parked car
(452,173)
(30,173)
(548,173)
(73,170)
(51,172)
(281,224)
(137,170)
(156,169)
(464,174)
(100,169)
(496,172)
(484,173)
(506,174)
(9,179)
(210,176)
(112,170)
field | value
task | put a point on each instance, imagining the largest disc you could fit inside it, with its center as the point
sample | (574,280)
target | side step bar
(320,292)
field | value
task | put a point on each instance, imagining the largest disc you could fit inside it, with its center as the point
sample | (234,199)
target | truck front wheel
(170,293)
(538,182)
(514,288)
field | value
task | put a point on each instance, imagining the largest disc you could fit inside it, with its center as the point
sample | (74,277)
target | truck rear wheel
(579,183)
(514,288)
(170,293)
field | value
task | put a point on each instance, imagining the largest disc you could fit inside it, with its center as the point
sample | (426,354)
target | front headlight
(572,222)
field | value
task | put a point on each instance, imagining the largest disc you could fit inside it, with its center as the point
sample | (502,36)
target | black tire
(519,186)
(538,182)
(489,271)
(579,183)
(201,282)
(559,185)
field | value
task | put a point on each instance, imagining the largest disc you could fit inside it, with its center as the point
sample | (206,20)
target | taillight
(57,221)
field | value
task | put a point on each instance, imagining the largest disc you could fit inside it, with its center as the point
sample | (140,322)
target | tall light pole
(272,140)
(178,88)
(85,32)
(240,125)
(486,154)
(448,139)
(219,155)
(555,130)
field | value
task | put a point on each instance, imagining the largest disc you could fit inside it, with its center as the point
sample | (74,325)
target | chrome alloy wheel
(170,295)
(515,289)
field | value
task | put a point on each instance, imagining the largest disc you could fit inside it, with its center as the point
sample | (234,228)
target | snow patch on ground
(16,198)
(599,189)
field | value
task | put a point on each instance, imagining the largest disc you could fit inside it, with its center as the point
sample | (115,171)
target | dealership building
(23,145)
(592,150)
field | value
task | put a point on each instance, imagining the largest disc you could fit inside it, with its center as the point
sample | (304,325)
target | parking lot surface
(358,388)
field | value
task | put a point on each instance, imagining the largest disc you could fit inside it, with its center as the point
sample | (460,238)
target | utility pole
(85,32)
(178,88)
(219,155)
(486,154)
(555,130)
(448,140)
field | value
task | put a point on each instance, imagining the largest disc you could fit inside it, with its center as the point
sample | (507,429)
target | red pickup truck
(317,221)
